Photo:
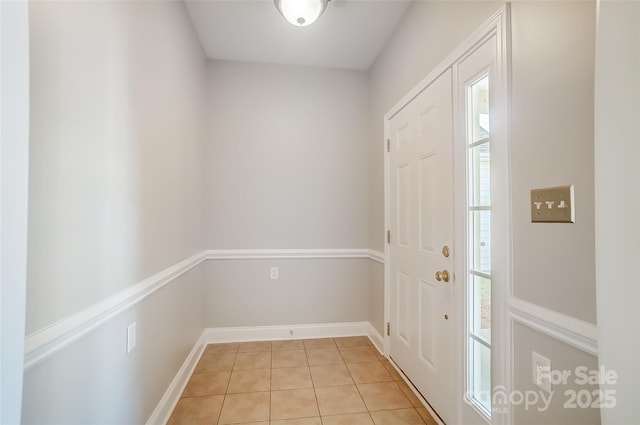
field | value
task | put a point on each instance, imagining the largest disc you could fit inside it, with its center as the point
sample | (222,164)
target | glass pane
(479,108)
(480,241)
(481,307)
(480,175)
(481,374)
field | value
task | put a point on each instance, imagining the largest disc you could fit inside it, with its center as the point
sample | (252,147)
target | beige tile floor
(332,381)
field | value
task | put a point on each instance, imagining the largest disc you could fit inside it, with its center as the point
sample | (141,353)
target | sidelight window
(479,244)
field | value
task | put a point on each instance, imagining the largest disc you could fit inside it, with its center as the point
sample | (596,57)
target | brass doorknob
(445,275)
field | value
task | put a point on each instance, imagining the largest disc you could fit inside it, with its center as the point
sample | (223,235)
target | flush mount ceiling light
(301,12)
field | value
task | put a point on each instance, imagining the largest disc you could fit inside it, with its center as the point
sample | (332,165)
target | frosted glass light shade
(301,12)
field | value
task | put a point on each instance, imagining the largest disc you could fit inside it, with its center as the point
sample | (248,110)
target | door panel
(420,173)
(404,209)
(404,298)
(427,319)
(427,182)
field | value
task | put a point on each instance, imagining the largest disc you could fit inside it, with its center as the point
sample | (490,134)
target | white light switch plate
(552,205)
(274,273)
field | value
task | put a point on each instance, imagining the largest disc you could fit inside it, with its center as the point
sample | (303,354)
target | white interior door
(420,175)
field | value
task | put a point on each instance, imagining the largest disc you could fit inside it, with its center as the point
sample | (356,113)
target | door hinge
(388,236)
(388,328)
(388,146)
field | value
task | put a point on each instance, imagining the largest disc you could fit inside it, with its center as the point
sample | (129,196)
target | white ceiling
(348,35)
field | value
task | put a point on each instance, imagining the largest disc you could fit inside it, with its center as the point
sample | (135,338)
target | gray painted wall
(552,145)
(564,358)
(117,93)
(376,296)
(115,176)
(285,169)
(240,292)
(284,158)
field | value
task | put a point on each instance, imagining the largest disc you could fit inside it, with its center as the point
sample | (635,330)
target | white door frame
(14,170)
(498,25)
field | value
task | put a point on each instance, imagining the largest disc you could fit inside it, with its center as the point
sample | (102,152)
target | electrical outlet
(274,273)
(131,337)
(541,371)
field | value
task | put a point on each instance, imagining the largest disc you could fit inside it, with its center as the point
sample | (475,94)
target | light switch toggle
(553,205)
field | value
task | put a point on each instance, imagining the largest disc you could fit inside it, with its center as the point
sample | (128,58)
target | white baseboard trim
(572,331)
(376,338)
(274,333)
(47,341)
(162,413)
(43,343)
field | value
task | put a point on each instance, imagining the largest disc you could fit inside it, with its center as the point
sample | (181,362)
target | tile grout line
(224,400)
(271,385)
(315,394)
(354,382)
(359,393)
